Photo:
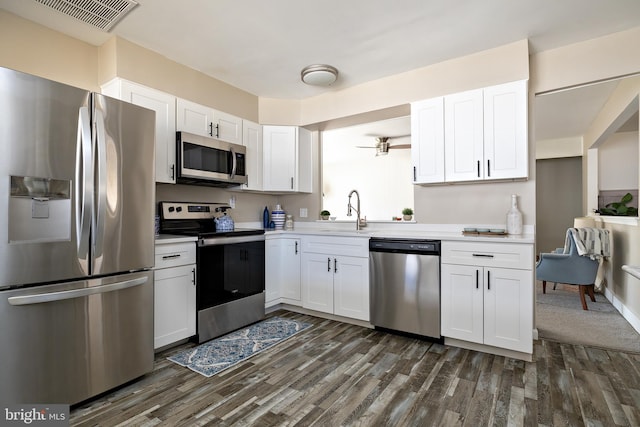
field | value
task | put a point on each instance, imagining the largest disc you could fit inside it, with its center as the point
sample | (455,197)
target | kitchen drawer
(507,255)
(349,246)
(175,254)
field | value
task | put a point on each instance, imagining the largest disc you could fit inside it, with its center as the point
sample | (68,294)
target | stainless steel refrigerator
(77,198)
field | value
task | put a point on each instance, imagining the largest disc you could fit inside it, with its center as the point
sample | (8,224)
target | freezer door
(68,342)
(123,226)
(44,158)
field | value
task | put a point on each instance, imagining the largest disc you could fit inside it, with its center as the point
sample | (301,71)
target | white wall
(559,148)
(615,170)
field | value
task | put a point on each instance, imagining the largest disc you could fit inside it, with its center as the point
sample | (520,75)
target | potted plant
(620,208)
(407,214)
(324,214)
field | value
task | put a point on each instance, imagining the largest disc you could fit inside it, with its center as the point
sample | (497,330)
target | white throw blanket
(591,242)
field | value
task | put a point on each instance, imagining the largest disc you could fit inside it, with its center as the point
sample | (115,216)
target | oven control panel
(192,211)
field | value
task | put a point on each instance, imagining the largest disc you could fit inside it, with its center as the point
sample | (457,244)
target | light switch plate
(303,213)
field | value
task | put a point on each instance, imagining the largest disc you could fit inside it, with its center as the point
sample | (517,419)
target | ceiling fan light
(319,75)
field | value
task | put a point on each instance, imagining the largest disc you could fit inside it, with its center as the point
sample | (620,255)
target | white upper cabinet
(427,140)
(252,140)
(227,127)
(463,136)
(202,120)
(287,159)
(193,118)
(280,158)
(305,161)
(505,131)
(471,136)
(164,105)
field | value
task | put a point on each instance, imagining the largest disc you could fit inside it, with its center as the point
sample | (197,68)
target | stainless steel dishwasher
(405,285)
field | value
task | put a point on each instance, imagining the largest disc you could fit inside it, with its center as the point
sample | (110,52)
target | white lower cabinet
(482,301)
(174,293)
(282,271)
(335,276)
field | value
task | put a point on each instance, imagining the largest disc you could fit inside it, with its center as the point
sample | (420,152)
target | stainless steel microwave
(207,161)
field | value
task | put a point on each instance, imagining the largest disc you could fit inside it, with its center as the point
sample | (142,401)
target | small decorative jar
(514,217)
(277,217)
(288,224)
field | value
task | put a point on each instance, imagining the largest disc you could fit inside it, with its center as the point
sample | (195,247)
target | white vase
(514,217)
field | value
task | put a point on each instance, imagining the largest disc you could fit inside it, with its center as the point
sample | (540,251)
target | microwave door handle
(234,163)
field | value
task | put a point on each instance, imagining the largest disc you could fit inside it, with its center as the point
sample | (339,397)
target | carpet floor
(560,317)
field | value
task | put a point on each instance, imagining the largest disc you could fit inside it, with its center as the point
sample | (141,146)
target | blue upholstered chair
(569,268)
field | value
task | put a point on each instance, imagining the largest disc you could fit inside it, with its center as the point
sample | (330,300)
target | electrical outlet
(232,202)
(303,213)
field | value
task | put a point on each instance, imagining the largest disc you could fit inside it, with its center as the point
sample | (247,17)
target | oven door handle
(215,241)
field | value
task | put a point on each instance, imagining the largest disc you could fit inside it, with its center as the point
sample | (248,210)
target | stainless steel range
(230,267)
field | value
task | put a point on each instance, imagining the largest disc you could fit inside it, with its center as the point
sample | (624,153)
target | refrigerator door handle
(75,293)
(101,184)
(84,187)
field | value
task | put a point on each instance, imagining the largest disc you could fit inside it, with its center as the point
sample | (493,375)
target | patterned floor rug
(221,353)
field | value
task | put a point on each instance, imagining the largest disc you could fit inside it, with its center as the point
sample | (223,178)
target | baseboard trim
(633,320)
(301,310)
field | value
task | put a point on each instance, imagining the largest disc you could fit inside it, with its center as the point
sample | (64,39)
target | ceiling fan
(383,145)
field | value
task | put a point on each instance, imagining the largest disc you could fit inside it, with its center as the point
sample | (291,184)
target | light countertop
(405,233)
(633,270)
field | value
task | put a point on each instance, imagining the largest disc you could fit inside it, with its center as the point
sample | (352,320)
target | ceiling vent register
(102,14)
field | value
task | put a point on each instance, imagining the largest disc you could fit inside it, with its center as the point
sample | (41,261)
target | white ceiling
(261,46)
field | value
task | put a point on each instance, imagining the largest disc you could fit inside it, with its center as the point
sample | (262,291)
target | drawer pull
(171,256)
(483,255)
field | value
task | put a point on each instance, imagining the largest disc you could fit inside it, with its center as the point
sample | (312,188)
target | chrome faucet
(359,222)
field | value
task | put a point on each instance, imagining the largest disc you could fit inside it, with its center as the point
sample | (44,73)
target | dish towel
(594,243)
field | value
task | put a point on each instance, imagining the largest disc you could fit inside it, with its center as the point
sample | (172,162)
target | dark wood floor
(338,374)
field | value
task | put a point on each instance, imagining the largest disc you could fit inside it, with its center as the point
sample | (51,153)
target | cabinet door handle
(488,280)
(292,183)
(415,174)
(173,171)
(477,279)
(478,168)
(488,167)
(483,255)
(171,256)
(217,130)
(193,276)
(210,128)
(328,264)
(335,265)
(296,248)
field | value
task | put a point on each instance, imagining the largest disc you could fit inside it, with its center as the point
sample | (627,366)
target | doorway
(558,200)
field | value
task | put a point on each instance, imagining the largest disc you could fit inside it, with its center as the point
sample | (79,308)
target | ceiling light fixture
(319,75)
